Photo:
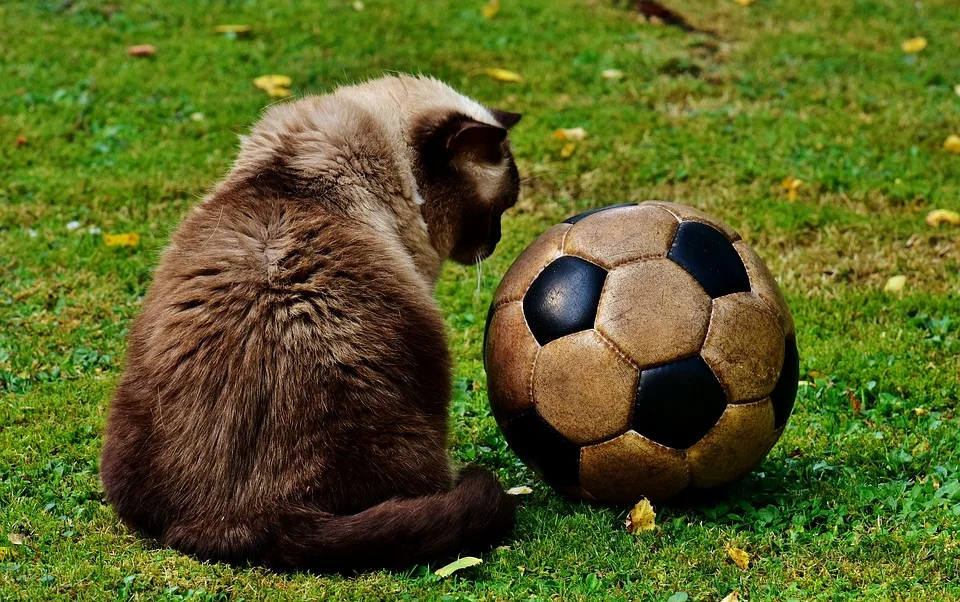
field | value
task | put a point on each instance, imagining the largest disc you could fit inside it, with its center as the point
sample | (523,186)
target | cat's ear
(477,140)
(506,118)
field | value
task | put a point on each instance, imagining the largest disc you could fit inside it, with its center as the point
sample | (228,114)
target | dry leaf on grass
(456,565)
(733,596)
(943,216)
(358,6)
(957,89)
(129,239)
(490,9)
(744,2)
(895,284)
(237,30)
(572,134)
(641,517)
(612,74)
(277,86)
(521,490)
(568,149)
(791,184)
(16,538)
(952,143)
(142,50)
(739,557)
(502,75)
(914,45)
(21,140)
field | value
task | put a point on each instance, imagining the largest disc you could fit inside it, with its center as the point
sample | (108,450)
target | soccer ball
(637,350)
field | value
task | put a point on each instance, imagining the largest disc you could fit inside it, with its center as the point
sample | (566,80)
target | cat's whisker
(478,260)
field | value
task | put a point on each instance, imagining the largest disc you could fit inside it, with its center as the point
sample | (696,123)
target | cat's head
(465,172)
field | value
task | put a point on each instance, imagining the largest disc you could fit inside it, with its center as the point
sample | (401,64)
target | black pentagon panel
(580,216)
(550,454)
(785,391)
(486,331)
(710,258)
(564,298)
(678,403)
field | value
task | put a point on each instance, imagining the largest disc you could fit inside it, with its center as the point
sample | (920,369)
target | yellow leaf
(567,151)
(791,185)
(914,45)
(456,565)
(130,239)
(744,2)
(739,557)
(266,82)
(641,517)
(943,216)
(952,143)
(522,490)
(573,134)
(733,596)
(279,92)
(234,29)
(490,9)
(612,74)
(895,284)
(502,75)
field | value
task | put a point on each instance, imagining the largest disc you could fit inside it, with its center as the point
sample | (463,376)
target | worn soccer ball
(638,350)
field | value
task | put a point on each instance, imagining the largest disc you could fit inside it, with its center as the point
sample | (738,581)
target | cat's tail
(395,534)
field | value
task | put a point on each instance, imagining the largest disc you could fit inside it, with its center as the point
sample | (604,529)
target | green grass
(852,504)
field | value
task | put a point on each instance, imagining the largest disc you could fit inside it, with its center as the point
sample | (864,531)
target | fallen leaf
(490,9)
(654,12)
(612,74)
(142,50)
(16,538)
(197,116)
(21,140)
(568,149)
(641,517)
(895,284)
(739,557)
(914,45)
(502,75)
(952,143)
(744,2)
(456,565)
(956,89)
(921,411)
(733,596)
(791,184)
(943,216)
(358,6)
(574,134)
(855,403)
(521,490)
(277,86)
(237,30)
(129,239)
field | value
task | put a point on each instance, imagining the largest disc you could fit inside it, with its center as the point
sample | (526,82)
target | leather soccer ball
(638,350)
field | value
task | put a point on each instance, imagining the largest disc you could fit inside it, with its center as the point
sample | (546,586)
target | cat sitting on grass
(285,396)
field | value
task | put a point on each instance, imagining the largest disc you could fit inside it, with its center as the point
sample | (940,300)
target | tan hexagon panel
(744,346)
(687,213)
(631,466)
(654,311)
(583,388)
(764,284)
(738,442)
(615,236)
(510,354)
(534,258)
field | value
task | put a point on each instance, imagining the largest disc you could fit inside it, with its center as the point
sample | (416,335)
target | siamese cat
(285,395)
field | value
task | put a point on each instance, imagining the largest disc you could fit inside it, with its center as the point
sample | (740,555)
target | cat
(284,400)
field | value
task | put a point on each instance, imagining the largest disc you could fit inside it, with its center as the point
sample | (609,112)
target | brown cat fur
(285,395)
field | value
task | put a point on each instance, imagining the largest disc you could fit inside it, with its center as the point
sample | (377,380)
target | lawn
(861,497)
